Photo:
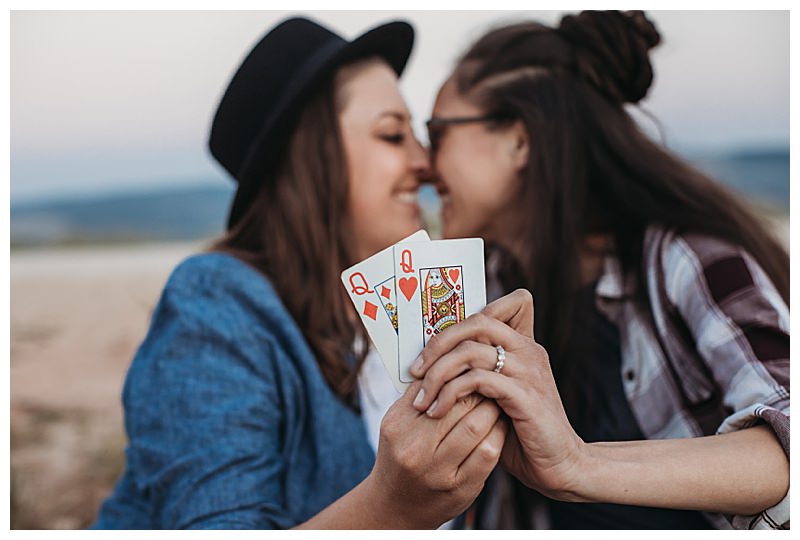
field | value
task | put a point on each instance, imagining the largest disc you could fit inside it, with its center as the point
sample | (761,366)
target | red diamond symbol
(370,310)
(386,292)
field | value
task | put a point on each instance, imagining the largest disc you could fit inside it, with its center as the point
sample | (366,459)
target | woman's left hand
(542,449)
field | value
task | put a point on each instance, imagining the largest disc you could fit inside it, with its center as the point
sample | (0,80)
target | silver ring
(501,359)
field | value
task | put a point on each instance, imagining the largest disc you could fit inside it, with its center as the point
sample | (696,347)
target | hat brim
(392,42)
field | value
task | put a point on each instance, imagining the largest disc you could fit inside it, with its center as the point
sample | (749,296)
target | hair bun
(612,51)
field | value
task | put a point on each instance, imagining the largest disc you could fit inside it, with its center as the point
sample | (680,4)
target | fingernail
(430,410)
(417,364)
(420,397)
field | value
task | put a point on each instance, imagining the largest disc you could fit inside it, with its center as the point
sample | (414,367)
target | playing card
(371,287)
(439,284)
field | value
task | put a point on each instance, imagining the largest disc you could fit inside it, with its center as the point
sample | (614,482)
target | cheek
(366,200)
(371,184)
(377,219)
(376,170)
(480,187)
(475,178)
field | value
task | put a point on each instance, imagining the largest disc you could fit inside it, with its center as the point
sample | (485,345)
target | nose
(419,161)
(430,174)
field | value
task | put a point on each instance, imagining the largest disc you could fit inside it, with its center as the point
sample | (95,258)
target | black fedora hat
(274,81)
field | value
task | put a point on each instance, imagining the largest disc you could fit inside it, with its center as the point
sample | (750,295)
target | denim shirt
(230,422)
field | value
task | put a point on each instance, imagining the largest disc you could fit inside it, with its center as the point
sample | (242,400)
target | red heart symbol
(453,273)
(408,286)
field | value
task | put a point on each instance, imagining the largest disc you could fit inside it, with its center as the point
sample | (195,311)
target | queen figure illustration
(442,300)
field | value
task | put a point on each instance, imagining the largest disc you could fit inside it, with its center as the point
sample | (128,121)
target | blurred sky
(110,101)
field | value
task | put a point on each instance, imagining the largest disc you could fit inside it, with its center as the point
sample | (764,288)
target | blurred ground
(77,317)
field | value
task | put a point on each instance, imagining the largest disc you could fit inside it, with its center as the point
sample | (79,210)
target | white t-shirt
(376,394)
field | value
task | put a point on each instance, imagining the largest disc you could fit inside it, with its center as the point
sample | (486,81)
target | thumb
(514,309)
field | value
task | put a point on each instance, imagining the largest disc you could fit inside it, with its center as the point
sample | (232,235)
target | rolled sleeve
(775,517)
(740,326)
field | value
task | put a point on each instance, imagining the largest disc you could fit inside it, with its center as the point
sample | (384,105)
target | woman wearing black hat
(657,384)
(241,405)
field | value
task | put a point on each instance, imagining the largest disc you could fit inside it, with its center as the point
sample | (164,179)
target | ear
(520,145)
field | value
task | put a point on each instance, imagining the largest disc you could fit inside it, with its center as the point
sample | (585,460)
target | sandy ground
(77,317)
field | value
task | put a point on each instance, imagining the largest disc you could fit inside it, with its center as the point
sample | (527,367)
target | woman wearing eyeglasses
(652,388)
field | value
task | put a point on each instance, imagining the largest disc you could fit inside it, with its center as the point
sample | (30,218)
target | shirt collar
(612,284)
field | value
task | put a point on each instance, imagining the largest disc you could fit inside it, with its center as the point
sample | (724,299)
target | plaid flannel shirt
(715,314)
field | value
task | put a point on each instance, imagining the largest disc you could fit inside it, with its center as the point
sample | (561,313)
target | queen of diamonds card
(386,294)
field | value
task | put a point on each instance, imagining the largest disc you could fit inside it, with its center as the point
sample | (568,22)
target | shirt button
(630,375)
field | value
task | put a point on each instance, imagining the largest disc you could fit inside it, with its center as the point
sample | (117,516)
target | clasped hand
(541,448)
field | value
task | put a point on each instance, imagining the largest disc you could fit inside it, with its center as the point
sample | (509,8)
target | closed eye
(394,139)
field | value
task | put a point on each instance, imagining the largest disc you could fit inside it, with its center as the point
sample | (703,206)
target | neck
(500,232)
(593,253)
(591,257)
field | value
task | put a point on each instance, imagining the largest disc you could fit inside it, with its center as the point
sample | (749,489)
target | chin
(459,228)
(453,230)
(404,227)
(451,226)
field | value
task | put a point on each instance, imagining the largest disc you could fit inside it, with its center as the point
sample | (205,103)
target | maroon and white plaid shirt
(712,355)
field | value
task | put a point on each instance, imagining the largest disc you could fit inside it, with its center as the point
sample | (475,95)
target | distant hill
(201,212)
(761,175)
(176,214)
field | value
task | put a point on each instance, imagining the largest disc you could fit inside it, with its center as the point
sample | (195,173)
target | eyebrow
(395,114)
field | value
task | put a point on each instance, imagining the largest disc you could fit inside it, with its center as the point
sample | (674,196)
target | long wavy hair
(591,170)
(294,232)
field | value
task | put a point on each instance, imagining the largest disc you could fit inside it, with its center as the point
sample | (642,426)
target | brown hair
(590,168)
(294,232)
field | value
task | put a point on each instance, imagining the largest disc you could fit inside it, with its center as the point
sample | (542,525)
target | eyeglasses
(436,126)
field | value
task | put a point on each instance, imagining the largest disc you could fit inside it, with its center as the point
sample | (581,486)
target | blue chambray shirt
(230,422)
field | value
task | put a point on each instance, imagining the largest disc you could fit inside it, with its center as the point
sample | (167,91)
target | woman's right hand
(428,471)
(542,449)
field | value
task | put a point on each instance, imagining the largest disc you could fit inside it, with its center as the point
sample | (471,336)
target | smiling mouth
(407,195)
